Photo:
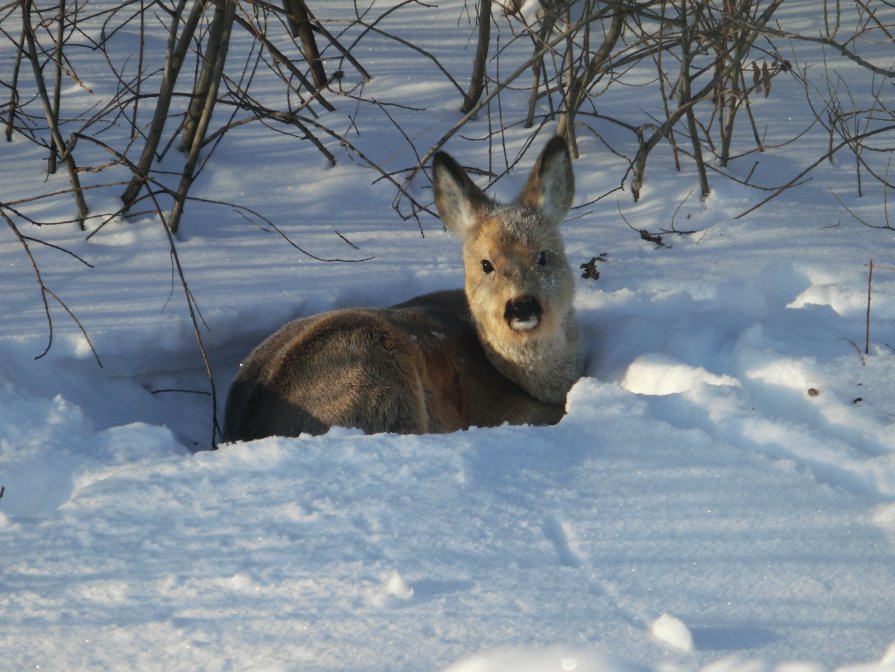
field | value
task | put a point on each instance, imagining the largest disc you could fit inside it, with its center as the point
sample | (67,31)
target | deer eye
(542,259)
(487,267)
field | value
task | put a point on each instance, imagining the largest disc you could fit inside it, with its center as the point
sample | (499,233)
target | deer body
(504,349)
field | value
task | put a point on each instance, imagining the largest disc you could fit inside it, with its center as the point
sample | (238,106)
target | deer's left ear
(551,185)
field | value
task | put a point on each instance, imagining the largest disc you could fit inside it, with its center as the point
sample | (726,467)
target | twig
(869,293)
(57,82)
(797,179)
(59,248)
(643,233)
(500,86)
(281,58)
(283,235)
(14,86)
(44,291)
(192,308)
(827,42)
(346,240)
(346,54)
(674,216)
(202,393)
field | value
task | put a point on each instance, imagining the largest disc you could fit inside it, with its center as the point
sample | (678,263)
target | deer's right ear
(461,204)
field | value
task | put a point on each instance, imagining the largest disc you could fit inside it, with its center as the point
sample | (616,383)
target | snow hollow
(720,495)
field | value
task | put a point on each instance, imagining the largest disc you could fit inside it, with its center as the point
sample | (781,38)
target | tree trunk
(52,120)
(301,27)
(477,81)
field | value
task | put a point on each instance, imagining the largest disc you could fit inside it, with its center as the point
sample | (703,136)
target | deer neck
(545,368)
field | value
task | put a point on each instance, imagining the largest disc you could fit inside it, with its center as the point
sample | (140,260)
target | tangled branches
(690,76)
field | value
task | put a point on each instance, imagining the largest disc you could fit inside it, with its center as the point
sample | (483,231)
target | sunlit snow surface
(720,495)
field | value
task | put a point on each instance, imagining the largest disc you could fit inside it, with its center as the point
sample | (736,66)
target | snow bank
(720,495)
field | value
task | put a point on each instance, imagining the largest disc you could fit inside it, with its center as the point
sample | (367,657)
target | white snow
(673,632)
(719,497)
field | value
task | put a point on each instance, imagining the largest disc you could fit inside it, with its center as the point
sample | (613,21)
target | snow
(720,495)
(673,631)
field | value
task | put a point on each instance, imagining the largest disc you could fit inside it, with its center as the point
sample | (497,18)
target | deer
(504,349)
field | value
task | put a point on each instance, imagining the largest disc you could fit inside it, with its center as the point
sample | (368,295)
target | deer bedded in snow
(504,349)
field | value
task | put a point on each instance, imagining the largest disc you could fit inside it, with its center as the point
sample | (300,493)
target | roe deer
(506,350)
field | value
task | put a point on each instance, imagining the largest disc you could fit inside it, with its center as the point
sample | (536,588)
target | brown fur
(503,350)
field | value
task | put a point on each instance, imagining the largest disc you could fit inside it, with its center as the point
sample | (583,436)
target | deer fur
(505,349)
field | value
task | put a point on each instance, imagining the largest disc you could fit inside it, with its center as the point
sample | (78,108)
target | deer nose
(522,311)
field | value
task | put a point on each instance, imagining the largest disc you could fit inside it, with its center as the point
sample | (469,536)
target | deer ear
(551,185)
(461,204)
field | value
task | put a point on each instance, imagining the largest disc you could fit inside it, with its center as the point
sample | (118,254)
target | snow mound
(672,631)
(554,659)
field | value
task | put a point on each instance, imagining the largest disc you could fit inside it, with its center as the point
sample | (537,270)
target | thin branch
(44,291)
(814,164)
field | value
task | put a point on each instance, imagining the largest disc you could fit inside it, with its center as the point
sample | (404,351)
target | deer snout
(523,313)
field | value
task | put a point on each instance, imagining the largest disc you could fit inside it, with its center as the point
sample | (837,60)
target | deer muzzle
(523,314)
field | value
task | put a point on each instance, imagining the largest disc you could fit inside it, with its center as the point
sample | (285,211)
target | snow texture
(720,495)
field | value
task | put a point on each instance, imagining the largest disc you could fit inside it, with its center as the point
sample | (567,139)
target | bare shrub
(710,60)
(631,74)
